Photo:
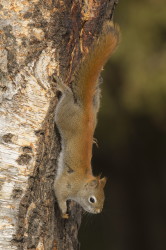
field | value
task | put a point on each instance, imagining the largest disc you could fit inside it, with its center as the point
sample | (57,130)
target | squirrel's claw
(65,216)
(60,85)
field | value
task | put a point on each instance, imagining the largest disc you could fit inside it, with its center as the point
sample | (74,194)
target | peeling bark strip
(38,38)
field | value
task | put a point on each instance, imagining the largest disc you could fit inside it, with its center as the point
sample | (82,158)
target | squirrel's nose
(98,210)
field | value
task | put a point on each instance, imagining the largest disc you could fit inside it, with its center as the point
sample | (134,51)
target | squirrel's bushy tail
(87,75)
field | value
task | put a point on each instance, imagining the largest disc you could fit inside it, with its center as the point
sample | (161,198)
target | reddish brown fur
(87,79)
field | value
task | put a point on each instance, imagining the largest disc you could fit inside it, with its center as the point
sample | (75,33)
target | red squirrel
(75,117)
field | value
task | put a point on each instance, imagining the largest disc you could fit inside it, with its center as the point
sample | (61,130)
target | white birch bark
(24,102)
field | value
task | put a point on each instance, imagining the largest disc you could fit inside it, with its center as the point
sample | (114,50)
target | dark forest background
(131,134)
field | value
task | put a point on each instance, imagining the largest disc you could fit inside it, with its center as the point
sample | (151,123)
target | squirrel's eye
(92,199)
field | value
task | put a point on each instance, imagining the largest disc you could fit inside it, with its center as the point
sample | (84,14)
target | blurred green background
(131,134)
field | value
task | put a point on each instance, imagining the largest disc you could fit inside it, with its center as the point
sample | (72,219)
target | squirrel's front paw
(65,216)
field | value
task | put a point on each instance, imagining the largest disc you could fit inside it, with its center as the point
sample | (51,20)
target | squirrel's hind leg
(61,86)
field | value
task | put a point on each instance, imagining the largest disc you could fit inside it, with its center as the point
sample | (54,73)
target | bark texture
(37,39)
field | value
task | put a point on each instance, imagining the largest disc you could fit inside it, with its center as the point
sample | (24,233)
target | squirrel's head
(91,196)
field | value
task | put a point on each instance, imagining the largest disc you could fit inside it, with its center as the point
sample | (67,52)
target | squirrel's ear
(103,181)
(93,183)
(98,177)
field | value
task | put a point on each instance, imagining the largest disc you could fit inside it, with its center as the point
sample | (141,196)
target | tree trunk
(39,38)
